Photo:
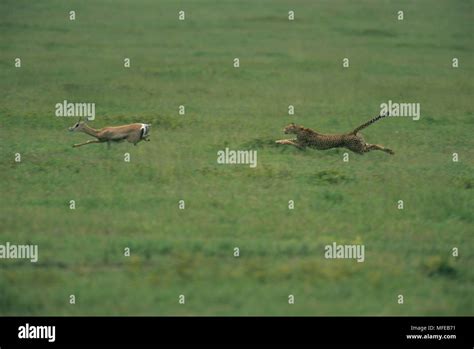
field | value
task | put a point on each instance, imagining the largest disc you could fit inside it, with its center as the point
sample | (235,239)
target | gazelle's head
(291,128)
(78,126)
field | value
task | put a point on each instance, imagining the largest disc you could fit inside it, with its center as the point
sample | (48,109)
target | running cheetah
(306,137)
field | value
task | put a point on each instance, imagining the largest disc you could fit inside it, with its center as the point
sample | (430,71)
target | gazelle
(133,133)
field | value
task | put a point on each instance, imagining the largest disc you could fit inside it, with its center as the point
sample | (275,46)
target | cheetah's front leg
(289,142)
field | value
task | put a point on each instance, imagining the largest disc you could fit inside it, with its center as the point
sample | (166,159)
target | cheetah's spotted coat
(306,137)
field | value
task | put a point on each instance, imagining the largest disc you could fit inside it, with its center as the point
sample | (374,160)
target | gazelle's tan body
(133,133)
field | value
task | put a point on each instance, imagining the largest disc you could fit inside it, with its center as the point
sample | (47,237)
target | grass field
(190,251)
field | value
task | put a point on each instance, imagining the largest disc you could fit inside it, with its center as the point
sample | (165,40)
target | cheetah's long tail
(370,122)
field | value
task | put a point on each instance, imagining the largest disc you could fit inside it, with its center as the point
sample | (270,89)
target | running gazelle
(133,133)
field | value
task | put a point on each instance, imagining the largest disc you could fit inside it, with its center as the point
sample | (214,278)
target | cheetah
(306,137)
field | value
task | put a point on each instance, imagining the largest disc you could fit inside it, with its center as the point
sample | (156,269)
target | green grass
(190,251)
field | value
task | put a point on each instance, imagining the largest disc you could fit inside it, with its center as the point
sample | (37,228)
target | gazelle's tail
(145,130)
(370,122)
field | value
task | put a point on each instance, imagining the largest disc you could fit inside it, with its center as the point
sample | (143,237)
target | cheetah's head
(291,128)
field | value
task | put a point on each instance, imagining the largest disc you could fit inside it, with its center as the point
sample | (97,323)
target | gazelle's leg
(88,142)
(369,147)
(289,142)
(133,138)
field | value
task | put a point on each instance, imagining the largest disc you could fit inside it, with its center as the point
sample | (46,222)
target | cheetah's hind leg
(369,147)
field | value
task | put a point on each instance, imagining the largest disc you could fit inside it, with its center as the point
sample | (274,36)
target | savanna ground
(190,251)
